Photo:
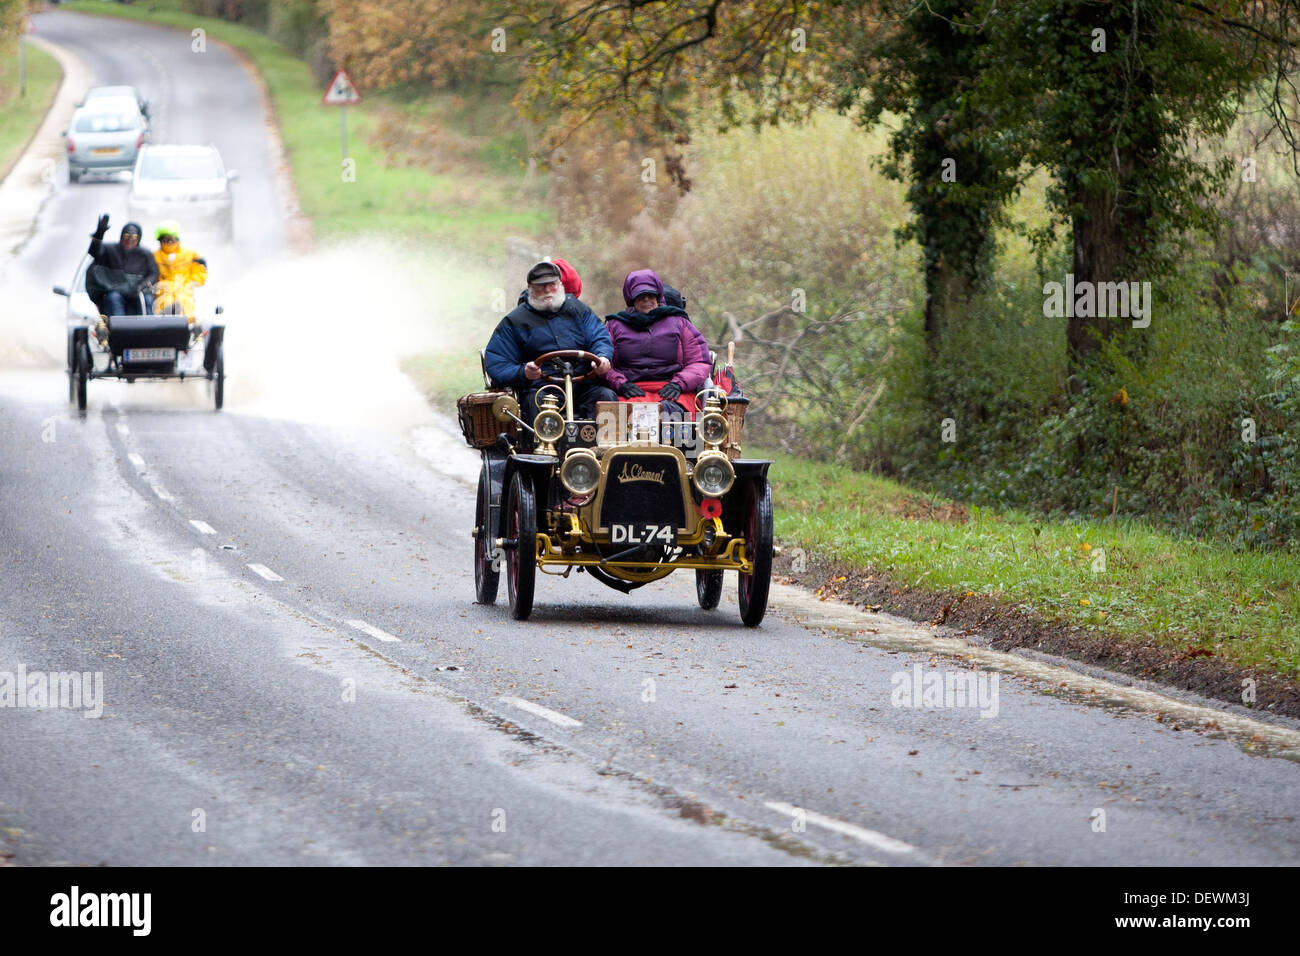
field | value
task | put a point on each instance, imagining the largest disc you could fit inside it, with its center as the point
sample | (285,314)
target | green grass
(445,376)
(20,116)
(1183,594)
(470,204)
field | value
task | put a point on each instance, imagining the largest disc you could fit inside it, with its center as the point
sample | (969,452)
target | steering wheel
(575,354)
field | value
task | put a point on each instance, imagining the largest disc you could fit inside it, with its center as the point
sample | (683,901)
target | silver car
(189,183)
(105,136)
(117,92)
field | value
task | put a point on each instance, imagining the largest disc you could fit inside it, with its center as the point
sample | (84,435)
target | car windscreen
(203,166)
(105,123)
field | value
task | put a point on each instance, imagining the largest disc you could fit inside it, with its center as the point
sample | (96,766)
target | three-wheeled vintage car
(627,498)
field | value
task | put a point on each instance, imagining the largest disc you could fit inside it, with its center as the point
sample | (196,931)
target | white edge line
(373,631)
(553,716)
(870,837)
(261,570)
(202,526)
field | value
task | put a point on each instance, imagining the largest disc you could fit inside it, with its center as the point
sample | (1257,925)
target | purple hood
(642,280)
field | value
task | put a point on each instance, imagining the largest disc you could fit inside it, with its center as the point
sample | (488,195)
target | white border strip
(553,716)
(261,570)
(373,631)
(870,837)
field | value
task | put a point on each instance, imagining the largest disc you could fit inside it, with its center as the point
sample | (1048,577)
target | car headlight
(549,426)
(713,429)
(714,474)
(580,472)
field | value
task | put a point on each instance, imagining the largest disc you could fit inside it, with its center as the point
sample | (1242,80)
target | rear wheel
(487,577)
(73,175)
(758,546)
(708,588)
(219,378)
(521,563)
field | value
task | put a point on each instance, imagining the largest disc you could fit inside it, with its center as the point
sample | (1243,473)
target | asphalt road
(279,599)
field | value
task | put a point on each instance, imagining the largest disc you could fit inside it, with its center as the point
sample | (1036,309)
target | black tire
(708,588)
(73,175)
(521,560)
(486,578)
(219,378)
(82,374)
(72,366)
(753,588)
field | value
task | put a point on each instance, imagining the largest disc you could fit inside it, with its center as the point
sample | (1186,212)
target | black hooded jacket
(135,262)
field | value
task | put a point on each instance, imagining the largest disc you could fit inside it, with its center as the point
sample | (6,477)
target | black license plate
(642,533)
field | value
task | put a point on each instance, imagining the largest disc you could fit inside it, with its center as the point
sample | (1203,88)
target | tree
(1107,96)
(922,62)
(418,43)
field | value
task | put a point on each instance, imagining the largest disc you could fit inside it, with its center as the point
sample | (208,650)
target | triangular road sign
(341,91)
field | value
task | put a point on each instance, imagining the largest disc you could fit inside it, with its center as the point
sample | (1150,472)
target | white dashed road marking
(161,492)
(261,570)
(136,460)
(373,631)
(202,526)
(123,430)
(869,837)
(551,715)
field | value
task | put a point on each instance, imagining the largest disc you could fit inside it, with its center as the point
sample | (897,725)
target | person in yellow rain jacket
(180,271)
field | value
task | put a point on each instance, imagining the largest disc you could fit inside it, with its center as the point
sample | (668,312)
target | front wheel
(758,546)
(708,588)
(82,373)
(521,566)
(487,574)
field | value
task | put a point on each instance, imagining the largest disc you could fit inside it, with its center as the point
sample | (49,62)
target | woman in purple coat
(655,346)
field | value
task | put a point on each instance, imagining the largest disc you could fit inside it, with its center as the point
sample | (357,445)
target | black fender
(747,470)
(216,334)
(537,467)
(78,340)
(494,463)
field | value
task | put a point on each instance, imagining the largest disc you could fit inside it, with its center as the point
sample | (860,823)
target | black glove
(671,409)
(670,392)
(631,390)
(101,228)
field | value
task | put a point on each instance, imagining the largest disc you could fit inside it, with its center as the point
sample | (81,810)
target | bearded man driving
(548,320)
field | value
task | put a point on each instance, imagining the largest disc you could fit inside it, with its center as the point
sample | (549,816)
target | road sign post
(342,92)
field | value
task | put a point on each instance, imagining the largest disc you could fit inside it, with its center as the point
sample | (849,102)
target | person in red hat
(569,277)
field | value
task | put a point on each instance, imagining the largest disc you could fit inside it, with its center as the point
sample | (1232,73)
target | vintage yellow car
(628,497)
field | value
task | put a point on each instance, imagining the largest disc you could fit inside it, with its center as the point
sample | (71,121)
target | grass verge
(21,115)
(1124,583)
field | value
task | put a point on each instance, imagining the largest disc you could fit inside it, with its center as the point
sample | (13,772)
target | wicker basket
(477,423)
(735,416)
